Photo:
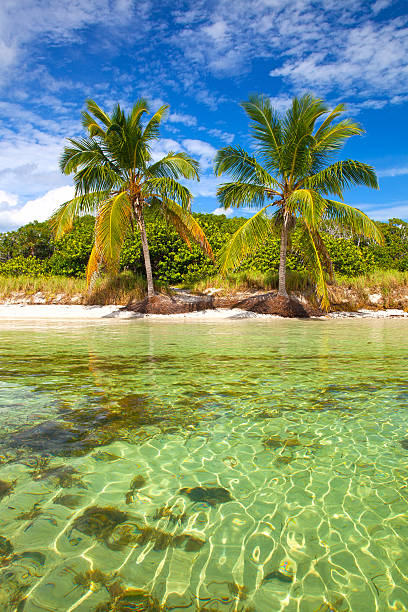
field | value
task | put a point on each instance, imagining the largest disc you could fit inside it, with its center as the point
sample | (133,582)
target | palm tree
(292,185)
(116,180)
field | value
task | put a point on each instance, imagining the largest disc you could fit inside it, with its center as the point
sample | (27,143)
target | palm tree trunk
(146,253)
(282,260)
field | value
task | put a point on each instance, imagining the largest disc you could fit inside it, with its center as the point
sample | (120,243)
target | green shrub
(71,252)
(29,266)
(175,263)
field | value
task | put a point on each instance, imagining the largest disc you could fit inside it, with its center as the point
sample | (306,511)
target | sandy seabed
(78,312)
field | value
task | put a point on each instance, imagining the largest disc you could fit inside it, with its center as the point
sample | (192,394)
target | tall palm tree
(116,179)
(289,181)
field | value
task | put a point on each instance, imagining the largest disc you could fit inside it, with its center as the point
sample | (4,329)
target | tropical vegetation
(291,184)
(117,179)
(174,263)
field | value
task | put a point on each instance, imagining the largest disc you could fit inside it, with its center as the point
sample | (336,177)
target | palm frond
(175,165)
(336,112)
(354,219)
(112,224)
(93,265)
(64,217)
(167,188)
(308,205)
(242,194)
(317,261)
(243,167)
(92,126)
(139,108)
(266,128)
(96,110)
(245,240)
(184,223)
(342,175)
(151,131)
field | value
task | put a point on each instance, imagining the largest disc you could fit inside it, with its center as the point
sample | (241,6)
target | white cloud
(203,150)
(183,118)
(281,103)
(40,209)
(24,21)
(390,172)
(228,212)
(398,210)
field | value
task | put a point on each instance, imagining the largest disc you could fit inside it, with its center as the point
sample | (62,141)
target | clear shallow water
(234,466)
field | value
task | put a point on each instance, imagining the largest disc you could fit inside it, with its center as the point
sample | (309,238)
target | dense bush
(29,266)
(71,252)
(31,250)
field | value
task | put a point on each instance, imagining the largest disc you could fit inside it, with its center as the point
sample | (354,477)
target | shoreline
(13,312)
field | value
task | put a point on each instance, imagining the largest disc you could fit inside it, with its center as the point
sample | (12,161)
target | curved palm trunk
(282,260)
(146,253)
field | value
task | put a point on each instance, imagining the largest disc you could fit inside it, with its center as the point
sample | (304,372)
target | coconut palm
(117,180)
(291,184)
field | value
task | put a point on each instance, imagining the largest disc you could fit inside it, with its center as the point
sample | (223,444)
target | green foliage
(174,263)
(29,266)
(71,252)
(33,239)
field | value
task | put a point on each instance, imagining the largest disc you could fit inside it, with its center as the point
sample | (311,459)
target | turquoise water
(237,466)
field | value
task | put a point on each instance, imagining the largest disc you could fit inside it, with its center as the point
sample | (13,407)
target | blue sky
(202,58)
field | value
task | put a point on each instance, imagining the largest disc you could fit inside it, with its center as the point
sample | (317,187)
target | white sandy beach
(77,312)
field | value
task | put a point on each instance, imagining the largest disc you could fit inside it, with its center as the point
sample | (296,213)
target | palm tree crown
(116,179)
(290,182)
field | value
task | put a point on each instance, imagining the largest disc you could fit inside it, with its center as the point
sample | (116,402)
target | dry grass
(345,294)
(64,290)
(254,281)
(378,280)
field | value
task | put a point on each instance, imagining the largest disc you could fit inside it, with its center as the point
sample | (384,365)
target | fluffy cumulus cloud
(39,209)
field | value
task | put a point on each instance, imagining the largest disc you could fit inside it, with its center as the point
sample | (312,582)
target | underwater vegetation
(130,600)
(55,438)
(30,514)
(6,547)
(209,495)
(6,488)
(99,522)
(162,539)
(104,456)
(275,441)
(69,501)
(278,575)
(91,578)
(168,513)
(64,476)
(107,524)
(137,483)
(78,431)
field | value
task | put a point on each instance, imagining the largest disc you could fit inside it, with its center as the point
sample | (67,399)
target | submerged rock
(210,495)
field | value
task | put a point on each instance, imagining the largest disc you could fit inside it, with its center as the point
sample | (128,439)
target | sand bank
(77,312)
